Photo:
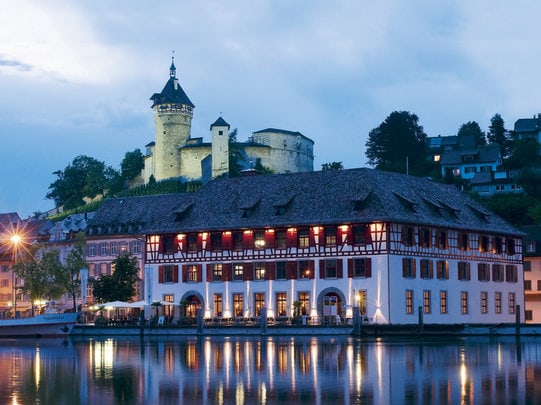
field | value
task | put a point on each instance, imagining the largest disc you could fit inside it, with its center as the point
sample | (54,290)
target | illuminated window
(218,305)
(464,302)
(484,302)
(511,303)
(259,239)
(426,301)
(443,302)
(304,270)
(281,304)
(498,302)
(409,302)
(330,236)
(304,299)
(304,239)
(217,271)
(260,270)
(238,305)
(259,302)
(238,272)
(192,273)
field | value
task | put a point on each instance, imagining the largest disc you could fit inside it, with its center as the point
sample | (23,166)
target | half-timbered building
(321,243)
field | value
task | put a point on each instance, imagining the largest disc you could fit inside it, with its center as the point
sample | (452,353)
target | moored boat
(44,325)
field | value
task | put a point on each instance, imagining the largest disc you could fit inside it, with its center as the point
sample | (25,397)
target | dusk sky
(76,76)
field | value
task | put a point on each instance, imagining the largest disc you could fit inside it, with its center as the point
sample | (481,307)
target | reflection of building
(388,243)
(532,273)
(175,154)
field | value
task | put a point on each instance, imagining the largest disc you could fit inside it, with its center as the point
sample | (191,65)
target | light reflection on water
(269,370)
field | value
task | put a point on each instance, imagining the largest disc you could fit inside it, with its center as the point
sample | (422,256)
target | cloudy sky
(76,76)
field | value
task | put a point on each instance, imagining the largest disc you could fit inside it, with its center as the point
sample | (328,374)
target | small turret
(220,147)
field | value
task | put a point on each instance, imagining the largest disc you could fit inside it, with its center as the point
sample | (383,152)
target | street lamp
(15,241)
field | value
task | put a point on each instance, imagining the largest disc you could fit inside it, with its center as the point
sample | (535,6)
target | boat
(44,325)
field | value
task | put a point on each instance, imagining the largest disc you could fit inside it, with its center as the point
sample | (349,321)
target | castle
(176,154)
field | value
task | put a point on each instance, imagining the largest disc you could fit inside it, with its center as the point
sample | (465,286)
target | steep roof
(297,199)
(485,154)
(171,93)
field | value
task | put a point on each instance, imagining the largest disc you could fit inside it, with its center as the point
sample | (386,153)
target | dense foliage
(120,285)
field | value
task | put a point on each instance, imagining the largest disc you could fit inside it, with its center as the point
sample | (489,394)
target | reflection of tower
(172,120)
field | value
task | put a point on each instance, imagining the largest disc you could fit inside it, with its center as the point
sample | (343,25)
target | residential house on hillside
(499,181)
(528,128)
(532,273)
(465,163)
(321,243)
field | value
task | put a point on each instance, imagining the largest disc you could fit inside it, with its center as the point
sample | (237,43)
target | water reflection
(269,370)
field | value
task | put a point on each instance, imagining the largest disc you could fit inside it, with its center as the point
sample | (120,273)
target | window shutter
(227,272)
(160,244)
(160,274)
(414,268)
(431,269)
(227,241)
(368,235)
(269,239)
(350,268)
(291,238)
(339,269)
(209,272)
(311,237)
(312,266)
(184,273)
(404,267)
(248,240)
(291,270)
(349,235)
(368,266)
(199,273)
(322,269)
(175,274)
(270,271)
(248,271)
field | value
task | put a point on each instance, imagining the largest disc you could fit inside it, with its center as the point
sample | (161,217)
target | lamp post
(15,241)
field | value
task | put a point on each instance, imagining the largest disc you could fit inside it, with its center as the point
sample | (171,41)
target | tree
(332,166)
(236,156)
(524,153)
(398,144)
(472,128)
(497,134)
(68,276)
(262,169)
(37,267)
(121,284)
(131,165)
(84,177)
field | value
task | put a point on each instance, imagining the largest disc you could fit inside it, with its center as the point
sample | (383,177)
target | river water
(270,370)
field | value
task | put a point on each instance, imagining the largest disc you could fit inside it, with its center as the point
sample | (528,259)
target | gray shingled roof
(486,154)
(309,198)
(527,125)
(170,94)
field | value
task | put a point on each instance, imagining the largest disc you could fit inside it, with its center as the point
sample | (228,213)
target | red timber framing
(267,244)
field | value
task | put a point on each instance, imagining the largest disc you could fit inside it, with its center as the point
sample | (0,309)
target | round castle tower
(172,121)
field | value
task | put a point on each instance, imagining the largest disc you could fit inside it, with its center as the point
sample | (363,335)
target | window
(426,301)
(362,268)
(538,285)
(441,239)
(218,305)
(259,239)
(442,269)
(92,249)
(463,241)
(259,302)
(408,235)
(511,303)
(531,246)
(483,272)
(4,283)
(528,315)
(123,247)
(330,236)
(238,272)
(484,302)
(409,302)
(281,304)
(4,268)
(304,299)
(426,268)
(330,269)
(408,268)
(192,243)
(361,235)
(425,237)
(464,271)
(280,239)
(443,302)
(217,271)
(483,243)
(114,249)
(192,273)
(304,238)
(281,270)
(497,245)
(304,270)
(527,285)
(169,274)
(464,302)
(511,274)
(103,249)
(260,270)
(169,244)
(237,241)
(498,302)
(135,247)
(527,265)
(497,272)
(510,246)
(216,241)
(238,305)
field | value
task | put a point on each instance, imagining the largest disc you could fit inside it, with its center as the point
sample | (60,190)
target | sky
(76,76)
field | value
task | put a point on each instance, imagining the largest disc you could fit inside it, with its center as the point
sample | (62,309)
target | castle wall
(172,131)
(190,161)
